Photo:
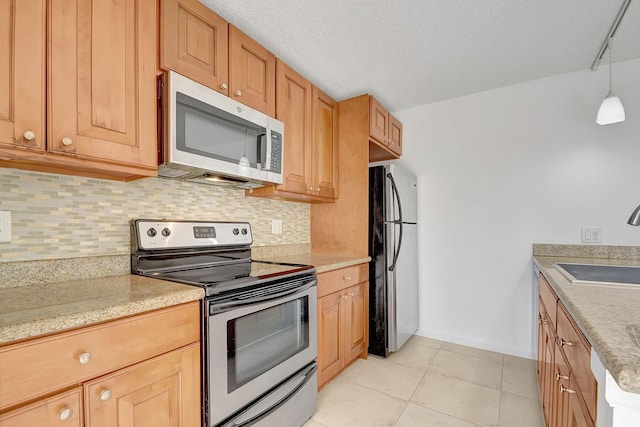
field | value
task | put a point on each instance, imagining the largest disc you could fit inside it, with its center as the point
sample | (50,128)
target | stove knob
(152,232)
(166,232)
(236,231)
(244,231)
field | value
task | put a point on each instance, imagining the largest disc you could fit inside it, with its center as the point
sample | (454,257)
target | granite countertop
(322,262)
(609,316)
(29,311)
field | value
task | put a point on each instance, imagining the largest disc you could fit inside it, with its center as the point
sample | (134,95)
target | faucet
(634,219)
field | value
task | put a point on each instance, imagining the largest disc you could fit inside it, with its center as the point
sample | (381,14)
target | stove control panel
(160,234)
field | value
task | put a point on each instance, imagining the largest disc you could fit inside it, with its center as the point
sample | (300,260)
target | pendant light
(611,110)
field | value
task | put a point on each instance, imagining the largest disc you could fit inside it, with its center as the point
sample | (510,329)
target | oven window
(259,341)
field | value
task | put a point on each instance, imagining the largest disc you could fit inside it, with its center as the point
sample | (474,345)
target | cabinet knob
(564,342)
(563,389)
(351,294)
(223,86)
(105,395)
(67,141)
(344,297)
(311,188)
(238,92)
(66,414)
(85,358)
(29,135)
(317,189)
(559,376)
(346,277)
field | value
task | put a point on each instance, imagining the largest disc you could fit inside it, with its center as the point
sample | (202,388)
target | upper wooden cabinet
(310,140)
(22,75)
(385,133)
(194,43)
(199,44)
(252,71)
(101,91)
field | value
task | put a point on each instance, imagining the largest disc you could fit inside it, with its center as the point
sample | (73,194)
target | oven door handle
(258,411)
(221,307)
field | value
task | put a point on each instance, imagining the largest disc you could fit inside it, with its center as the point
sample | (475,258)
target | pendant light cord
(610,89)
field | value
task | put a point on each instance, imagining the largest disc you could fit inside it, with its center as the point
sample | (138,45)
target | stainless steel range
(259,320)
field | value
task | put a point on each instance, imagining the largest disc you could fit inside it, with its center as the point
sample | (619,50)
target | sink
(601,274)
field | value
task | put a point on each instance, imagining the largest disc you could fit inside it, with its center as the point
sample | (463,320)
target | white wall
(503,169)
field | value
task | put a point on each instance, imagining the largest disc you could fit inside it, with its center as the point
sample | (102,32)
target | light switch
(276,226)
(5,226)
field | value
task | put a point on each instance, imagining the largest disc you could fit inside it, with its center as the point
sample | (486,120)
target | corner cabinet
(568,388)
(100,97)
(385,133)
(343,332)
(139,371)
(311,140)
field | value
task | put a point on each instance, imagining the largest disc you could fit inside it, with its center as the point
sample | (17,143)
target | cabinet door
(562,381)
(548,380)
(395,135)
(252,73)
(102,80)
(378,121)
(357,318)
(331,336)
(194,42)
(325,145)
(293,107)
(22,67)
(578,415)
(164,391)
(63,410)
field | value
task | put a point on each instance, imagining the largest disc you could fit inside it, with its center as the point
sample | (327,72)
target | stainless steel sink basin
(601,274)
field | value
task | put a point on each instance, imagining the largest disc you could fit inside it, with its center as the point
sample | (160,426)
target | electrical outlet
(5,226)
(276,226)
(592,235)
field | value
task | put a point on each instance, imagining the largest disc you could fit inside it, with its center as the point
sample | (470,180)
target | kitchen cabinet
(311,140)
(149,364)
(568,389)
(100,89)
(194,42)
(385,133)
(342,320)
(62,410)
(199,44)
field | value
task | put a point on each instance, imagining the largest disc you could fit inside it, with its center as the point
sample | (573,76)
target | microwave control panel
(276,152)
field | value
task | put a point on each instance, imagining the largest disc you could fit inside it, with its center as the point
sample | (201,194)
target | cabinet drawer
(41,366)
(578,352)
(336,280)
(550,299)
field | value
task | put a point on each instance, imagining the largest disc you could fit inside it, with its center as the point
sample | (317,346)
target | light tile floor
(433,383)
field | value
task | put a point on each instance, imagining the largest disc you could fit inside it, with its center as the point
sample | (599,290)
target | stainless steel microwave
(210,138)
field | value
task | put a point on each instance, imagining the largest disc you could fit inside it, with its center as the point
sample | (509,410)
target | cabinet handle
(351,294)
(564,342)
(311,188)
(67,141)
(29,135)
(344,297)
(105,395)
(85,358)
(223,86)
(66,414)
(559,376)
(238,92)
(346,277)
(563,389)
(317,189)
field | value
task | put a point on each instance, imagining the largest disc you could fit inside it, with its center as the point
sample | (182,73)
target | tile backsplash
(60,216)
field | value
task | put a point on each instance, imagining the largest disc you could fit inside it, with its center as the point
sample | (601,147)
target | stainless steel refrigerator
(393,247)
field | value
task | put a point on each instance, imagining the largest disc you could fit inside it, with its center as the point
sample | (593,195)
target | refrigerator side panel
(377,265)
(405,288)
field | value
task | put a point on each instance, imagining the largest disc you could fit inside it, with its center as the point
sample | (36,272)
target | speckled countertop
(29,311)
(608,316)
(322,262)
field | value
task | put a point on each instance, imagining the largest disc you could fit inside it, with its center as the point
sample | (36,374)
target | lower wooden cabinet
(567,385)
(164,391)
(62,410)
(143,370)
(343,330)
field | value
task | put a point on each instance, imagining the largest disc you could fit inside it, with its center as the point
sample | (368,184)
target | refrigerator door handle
(396,250)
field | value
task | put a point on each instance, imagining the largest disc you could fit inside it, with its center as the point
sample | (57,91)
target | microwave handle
(261,149)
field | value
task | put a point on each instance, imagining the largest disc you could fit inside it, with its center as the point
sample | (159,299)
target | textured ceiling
(414,52)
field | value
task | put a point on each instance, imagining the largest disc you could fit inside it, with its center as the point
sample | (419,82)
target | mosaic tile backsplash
(59,216)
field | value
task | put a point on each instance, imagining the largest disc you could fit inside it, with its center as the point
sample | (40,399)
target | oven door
(257,344)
